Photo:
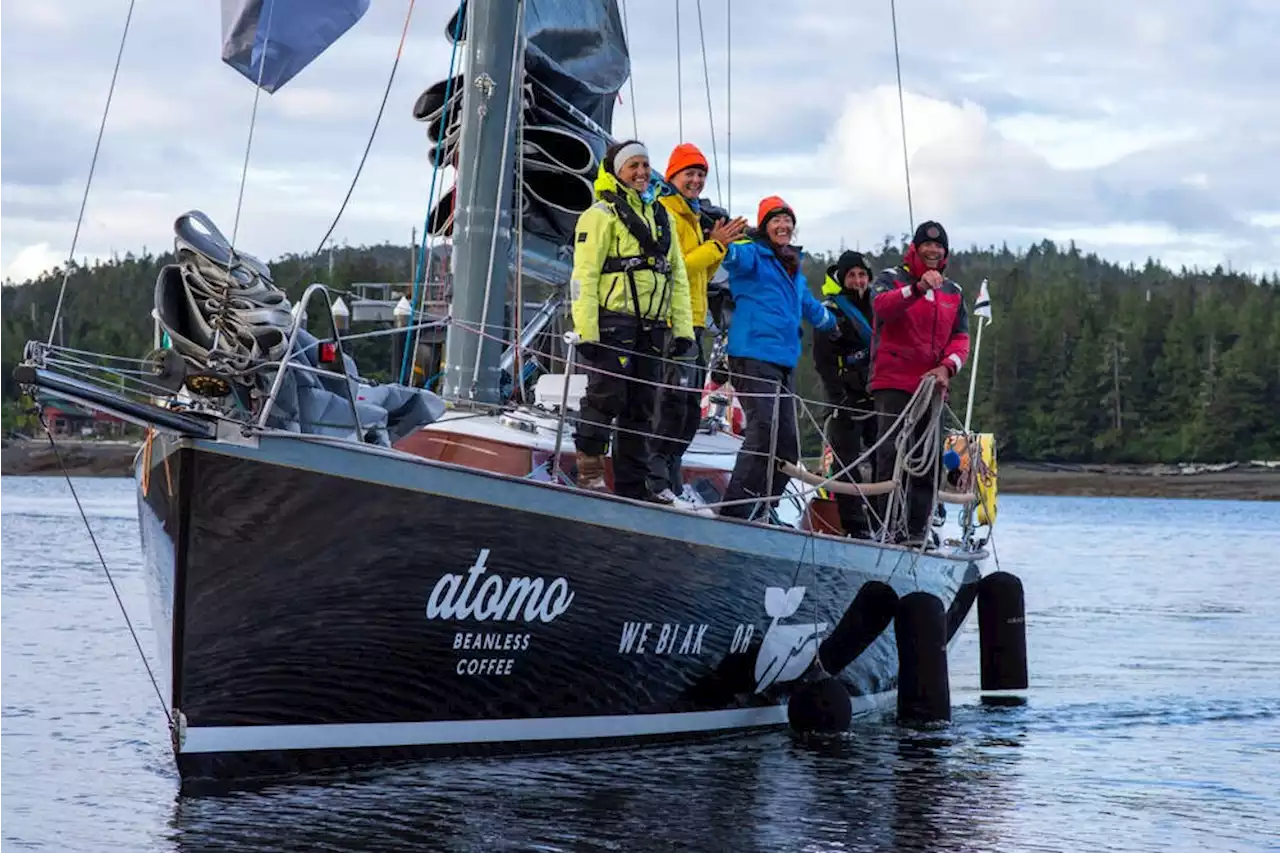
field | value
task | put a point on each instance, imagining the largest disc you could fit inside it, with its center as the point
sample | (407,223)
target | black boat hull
(323,605)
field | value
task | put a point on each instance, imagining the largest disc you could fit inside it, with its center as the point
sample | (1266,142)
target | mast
(486,158)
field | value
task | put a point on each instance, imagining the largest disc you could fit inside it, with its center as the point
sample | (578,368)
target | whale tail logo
(785,650)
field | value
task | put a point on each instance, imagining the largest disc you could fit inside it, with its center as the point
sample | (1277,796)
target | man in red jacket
(921,329)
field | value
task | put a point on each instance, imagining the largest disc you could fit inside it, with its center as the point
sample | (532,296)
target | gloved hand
(682,349)
(586,349)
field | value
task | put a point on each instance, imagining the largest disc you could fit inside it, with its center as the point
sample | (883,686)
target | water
(1152,722)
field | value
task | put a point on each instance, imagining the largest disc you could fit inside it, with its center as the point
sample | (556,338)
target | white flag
(982,308)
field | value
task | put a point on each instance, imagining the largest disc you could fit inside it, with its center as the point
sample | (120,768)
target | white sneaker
(691,501)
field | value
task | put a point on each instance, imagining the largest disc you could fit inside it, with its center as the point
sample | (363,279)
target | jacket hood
(830,287)
(606,182)
(676,203)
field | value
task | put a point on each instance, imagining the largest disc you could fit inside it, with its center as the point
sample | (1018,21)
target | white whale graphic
(786,650)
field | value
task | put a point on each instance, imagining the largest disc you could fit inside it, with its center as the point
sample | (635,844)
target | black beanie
(849,260)
(932,232)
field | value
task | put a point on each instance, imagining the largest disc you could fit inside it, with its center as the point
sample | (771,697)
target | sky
(1137,129)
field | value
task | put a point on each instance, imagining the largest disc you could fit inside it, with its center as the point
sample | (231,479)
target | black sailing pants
(618,388)
(679,413)
(919,490)
(750,477)
(849,436)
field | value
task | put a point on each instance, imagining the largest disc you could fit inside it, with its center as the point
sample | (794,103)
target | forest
(1084,361)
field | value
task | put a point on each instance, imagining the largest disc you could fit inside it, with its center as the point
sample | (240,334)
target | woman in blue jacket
(770,299)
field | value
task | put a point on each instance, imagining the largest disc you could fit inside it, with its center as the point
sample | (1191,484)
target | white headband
(626,152)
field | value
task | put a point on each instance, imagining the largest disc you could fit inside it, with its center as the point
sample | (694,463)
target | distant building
(67,419)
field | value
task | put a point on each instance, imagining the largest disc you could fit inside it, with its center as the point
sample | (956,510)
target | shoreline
(101,458)
(82,458)
(1253,483)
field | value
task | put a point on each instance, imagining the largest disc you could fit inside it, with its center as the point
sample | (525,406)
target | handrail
(290,355)
(841,487)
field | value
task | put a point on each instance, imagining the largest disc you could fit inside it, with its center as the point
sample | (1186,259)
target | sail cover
(577,49)
(272,40)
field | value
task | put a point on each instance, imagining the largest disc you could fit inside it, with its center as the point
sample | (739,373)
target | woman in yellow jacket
(630,294)
(679,411)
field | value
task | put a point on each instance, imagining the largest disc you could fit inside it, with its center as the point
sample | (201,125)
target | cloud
(32,261)
(1133,129)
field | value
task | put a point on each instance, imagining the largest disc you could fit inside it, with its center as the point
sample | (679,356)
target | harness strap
(855,316)
(654,251)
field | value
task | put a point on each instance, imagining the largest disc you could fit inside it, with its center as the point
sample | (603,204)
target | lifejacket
(627,261)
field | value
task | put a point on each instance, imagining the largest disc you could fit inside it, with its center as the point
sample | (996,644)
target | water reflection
(1152,722)
(876,788)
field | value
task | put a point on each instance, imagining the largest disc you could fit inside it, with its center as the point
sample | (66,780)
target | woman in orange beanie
(771,299)
(679,411)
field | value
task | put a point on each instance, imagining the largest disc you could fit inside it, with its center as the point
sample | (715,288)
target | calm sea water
(1152,722)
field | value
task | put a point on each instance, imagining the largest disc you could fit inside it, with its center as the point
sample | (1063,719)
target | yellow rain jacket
(601,235)
(701,257)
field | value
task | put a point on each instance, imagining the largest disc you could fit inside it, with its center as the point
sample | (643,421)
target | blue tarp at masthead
(294,33)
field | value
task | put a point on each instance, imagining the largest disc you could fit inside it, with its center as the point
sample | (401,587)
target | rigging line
(164,706)
(728,103)
(377,121)
(220,321)
(429,275)
(711,116)
(679,76)
(422,265)
(631,77)
(518,332)
(253,122)
(93,165)
(902,114)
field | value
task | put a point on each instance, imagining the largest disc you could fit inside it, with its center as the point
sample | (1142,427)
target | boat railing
(293,360)
(916,449)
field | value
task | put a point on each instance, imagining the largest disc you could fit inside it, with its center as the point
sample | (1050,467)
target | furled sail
(576,48)
(576,61)
(272,40)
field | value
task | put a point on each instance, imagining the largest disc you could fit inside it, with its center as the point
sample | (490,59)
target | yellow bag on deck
(986,473)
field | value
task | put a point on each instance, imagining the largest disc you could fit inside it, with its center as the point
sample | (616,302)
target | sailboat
(342,572)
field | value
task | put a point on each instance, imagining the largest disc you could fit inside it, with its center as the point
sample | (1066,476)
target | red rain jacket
(915,332)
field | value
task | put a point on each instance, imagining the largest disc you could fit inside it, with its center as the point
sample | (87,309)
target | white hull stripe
(206,739)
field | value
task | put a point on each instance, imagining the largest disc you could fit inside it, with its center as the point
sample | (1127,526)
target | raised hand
(725,233)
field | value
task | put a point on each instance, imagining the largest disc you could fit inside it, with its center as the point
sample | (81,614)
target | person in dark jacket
(921,329)
(843,364)
(771,298)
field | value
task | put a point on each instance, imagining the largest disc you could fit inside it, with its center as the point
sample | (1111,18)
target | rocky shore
(1240,482)
(82,457)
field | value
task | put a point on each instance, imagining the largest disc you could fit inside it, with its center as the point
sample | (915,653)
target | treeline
(1086,360)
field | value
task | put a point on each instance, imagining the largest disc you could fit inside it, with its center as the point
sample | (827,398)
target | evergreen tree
(1086,360)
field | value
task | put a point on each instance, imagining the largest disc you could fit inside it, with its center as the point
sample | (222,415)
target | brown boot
(591,473)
